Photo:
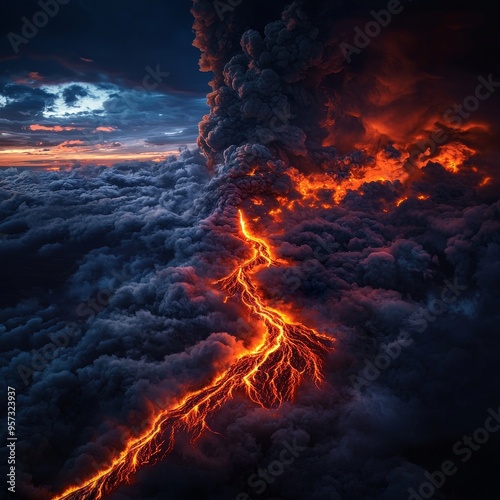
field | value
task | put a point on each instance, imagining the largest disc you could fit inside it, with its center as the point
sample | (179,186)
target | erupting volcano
(269,374)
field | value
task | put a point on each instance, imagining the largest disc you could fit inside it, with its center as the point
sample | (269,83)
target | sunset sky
(98,84)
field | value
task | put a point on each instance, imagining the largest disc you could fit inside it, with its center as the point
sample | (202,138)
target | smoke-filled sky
(359,141)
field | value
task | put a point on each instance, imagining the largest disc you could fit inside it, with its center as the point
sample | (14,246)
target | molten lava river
(269,374)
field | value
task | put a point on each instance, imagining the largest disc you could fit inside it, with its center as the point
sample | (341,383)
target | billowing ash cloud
(118,266)
(265,94)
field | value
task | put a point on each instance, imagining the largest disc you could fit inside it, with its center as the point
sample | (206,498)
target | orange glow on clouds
(71,152)
(65,128)
(30,79)
(452,155)
(53,128)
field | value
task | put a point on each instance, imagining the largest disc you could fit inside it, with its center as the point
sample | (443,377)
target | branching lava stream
(269,374)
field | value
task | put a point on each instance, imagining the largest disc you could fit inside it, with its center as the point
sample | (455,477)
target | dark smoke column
(266,85)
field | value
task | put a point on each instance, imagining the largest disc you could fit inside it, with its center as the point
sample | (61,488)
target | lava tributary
(269,374)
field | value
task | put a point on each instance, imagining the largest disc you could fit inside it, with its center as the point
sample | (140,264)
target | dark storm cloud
(118,41)
(24,104)
(71,94)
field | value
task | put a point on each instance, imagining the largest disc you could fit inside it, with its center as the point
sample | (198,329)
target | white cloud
(92,102)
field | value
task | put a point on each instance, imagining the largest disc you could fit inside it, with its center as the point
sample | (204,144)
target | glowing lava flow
(269,374)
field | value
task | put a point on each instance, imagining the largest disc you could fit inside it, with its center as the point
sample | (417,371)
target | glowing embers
(450,156)
(485,181)
(400,201)
(382,167)
(268,373)
(324,190)
(313,190)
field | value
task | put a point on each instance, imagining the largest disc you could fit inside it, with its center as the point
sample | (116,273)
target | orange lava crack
(269,374)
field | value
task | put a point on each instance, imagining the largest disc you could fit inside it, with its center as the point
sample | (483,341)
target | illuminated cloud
(75,99)
(53,128)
